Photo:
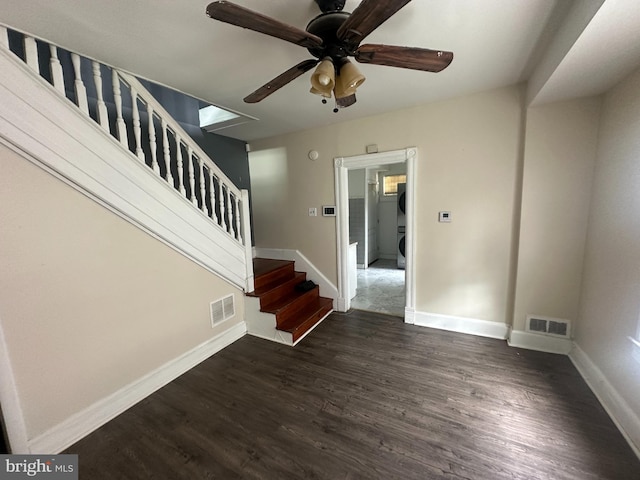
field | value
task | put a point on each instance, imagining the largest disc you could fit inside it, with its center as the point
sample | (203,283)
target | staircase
(109,138)
(101,131)
(286,314)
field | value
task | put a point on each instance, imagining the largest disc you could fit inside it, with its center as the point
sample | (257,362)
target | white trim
(246,235)
(409,316)
(48,130)
(303,264)
(341,166)
(82,423)
(13,418)
(539,342)
(615,405)
(471,326)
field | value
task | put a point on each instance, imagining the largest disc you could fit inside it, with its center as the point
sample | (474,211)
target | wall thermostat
(444,217)
(328,210)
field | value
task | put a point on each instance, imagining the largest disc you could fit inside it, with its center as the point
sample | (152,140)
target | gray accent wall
(228,153)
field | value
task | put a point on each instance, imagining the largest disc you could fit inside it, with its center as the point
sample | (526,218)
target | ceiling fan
(331,38)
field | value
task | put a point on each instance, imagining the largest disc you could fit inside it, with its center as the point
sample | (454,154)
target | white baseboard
(303,264)
(471,326)
(409,316)
(541,343)
(618,409)
(83,423)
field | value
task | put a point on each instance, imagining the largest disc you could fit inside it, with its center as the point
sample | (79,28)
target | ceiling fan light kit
(331,38)
(323,79)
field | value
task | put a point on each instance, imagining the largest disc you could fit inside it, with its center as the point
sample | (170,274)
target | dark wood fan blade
(280,81)
(404,57)
(368,16)
(243,17)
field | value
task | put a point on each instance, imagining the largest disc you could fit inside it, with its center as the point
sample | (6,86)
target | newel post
(246,235)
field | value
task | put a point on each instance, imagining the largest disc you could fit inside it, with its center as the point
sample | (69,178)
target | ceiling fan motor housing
(325,26)
(330,5)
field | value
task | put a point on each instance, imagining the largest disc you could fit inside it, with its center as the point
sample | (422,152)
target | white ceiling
(568,48)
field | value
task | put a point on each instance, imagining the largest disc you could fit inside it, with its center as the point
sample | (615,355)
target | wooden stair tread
(298,277)
(307,318)
(262,266)
(295,312)
(268,272)
(282,303)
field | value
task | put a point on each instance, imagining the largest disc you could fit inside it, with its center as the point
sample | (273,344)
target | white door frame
(342,165)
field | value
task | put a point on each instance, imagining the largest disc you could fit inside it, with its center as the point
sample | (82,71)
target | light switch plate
(313,212)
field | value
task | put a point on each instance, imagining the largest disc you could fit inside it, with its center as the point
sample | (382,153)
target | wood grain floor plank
(365,396)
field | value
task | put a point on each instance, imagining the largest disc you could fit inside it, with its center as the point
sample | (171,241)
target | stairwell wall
(90,304)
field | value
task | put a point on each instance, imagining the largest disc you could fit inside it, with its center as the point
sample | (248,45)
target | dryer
(402,222)
(402,189)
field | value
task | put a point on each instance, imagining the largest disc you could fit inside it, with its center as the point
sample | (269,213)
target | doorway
(345,276)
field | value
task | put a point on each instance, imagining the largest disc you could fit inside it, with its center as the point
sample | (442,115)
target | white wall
(610,295)
(560,152)
(469,151)
(88,302)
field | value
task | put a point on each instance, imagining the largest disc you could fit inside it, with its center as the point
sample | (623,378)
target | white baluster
(229,212)
(4,37)
(31,53)
(223,211)
(192,177)
(180,164)
(238,232)
(167,152)
(203,191)
(56,69)
(121,127)
(152,140)
(103,116)
(81,91)
(212,197)
(137,130)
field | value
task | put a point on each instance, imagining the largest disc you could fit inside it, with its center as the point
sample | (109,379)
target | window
(390,184)
(214,118)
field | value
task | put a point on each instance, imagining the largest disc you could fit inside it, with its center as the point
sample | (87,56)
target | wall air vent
(548,326)
(222,310)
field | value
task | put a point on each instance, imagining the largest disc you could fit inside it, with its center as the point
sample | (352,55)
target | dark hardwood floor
(365,396)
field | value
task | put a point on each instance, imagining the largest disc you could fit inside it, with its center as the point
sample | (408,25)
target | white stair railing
(149,133)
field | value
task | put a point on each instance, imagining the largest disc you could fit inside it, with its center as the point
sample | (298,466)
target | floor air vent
(548,326)
(222,310)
